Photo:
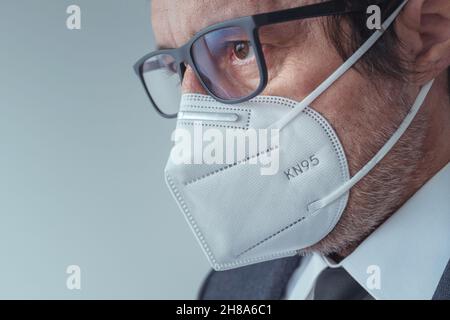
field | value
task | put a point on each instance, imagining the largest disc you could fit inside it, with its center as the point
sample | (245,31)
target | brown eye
(242,50)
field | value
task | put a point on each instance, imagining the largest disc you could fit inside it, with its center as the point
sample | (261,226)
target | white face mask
(241,216)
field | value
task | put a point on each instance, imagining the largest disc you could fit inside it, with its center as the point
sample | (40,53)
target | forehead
(176,21)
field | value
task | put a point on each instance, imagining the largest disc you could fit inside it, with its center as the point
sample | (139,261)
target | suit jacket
(268,281)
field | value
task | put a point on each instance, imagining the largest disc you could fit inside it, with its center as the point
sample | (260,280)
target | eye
(243,50)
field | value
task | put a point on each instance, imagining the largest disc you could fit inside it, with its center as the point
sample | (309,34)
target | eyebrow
(162,47)
(165,47)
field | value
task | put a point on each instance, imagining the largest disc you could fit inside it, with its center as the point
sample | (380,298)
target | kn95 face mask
(241,215)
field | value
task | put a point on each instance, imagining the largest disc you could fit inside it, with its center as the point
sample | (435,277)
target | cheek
(352,106)
(296,71)
(359,114)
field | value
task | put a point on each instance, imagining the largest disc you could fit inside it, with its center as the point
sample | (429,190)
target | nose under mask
(241,216)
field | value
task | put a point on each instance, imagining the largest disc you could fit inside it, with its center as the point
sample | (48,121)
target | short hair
(383,58)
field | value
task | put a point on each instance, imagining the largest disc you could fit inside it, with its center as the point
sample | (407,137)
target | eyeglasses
(227,58)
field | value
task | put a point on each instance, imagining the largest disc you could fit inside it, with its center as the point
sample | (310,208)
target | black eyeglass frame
(251,25)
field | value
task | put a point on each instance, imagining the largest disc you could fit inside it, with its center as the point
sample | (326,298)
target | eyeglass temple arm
(315,10)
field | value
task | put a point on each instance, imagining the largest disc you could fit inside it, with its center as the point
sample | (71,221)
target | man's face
(363,111)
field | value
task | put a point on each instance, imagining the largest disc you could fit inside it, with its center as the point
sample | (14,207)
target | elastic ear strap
(380,155)
(339,72)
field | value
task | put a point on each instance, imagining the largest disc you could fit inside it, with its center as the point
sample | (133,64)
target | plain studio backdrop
(82,155)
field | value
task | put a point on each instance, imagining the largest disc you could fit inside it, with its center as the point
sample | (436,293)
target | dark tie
(337,284)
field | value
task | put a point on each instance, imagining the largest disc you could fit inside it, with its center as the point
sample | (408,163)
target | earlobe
(424,31)
(408,28)
(433,62)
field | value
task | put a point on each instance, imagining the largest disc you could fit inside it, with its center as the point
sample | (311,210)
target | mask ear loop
(280,124)
(336,194)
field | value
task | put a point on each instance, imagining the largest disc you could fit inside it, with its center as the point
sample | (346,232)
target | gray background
(82,157)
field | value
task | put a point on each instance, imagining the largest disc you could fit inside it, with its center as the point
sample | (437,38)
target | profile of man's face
(364,108)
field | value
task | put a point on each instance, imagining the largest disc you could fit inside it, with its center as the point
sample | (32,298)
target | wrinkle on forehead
(176,21)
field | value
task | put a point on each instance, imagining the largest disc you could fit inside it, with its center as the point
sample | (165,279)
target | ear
(424,29)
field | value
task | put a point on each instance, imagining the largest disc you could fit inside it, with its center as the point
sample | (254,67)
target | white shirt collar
(404,258)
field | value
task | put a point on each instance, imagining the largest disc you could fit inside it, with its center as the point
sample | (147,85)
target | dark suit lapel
(262,281)
(443,289)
